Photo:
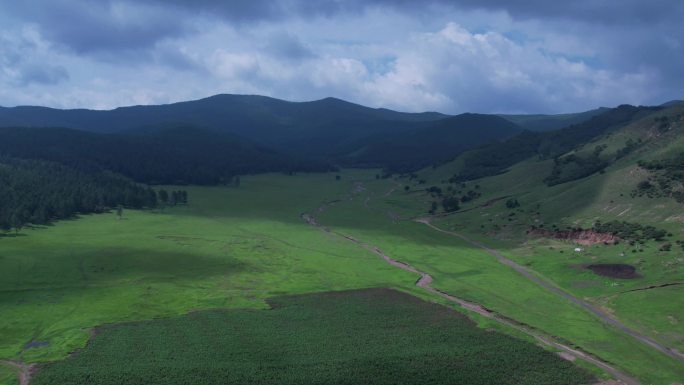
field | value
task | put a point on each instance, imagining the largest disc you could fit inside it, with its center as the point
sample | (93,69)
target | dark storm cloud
(92,26)
(605,11)
(234,10)
(123,25)
(287,46)
(626,12)
(95,26)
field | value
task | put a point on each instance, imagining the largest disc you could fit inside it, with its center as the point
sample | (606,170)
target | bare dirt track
(603,316)
(24,371)
(425,280)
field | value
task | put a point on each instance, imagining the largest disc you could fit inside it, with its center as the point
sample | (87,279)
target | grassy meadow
(228,248)
(603,197)
(655,312)
(8,376)
(234,248)
(475,275)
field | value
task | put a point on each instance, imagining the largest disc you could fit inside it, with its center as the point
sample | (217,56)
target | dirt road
(425,280)
(603,316)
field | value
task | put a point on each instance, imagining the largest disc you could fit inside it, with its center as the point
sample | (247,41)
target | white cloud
(488,72)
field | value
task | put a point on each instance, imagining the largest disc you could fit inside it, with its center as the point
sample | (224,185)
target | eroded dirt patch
(582,237)
(614,270)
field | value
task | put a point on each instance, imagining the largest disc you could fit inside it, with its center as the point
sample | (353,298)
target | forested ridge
(328,129)
(411,150)
(495,158)
(56,173)
(37,192)
(176,155)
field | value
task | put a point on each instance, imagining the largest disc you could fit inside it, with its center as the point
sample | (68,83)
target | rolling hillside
(439,141)
(602,176)
(220,112)
(309,128)
(613,201)
(497,157)
(329,129)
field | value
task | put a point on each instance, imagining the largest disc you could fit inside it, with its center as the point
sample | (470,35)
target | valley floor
(234,248)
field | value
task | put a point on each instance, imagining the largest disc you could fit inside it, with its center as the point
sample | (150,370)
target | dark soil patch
(614,270)
(36,344)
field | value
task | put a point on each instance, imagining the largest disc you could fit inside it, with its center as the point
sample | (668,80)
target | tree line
(39,192)
(173,198)
(55,173)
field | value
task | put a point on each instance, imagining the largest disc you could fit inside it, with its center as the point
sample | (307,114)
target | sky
(488,56)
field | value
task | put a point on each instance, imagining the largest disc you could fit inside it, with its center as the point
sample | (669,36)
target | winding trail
(425,280)
(24,371)
(527,273)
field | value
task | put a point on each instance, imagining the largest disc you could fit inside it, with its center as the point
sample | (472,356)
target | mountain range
(330,129)
(106,157)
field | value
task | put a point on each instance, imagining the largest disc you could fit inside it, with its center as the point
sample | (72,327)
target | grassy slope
(605,197)
(657,312)
(662,309)
(473,274)
(330,338)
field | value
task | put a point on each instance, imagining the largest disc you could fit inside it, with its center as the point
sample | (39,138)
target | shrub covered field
(373,336)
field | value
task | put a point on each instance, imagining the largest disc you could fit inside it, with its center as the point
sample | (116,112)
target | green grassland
(237,247)
(8,376)
(228,248)
(375,336)
(580,203)
(475,275)
(602,196)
